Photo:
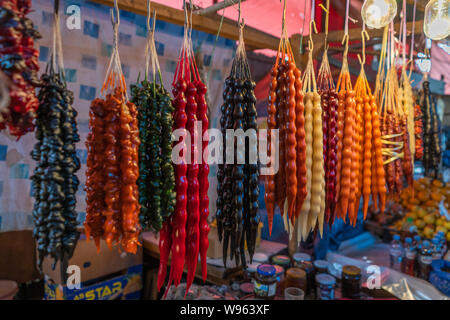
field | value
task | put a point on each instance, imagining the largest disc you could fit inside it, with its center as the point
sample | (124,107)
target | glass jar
(282,261)
(300,257)
(296,277)
(279,274)
(260,258)
(321,266)
(265,283)
(351,282)
(325,286)
(308,267)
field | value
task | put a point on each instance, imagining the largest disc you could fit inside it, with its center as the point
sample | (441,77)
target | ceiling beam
(216,7)
(253,38)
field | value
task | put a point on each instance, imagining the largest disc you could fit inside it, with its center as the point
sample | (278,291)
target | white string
(347,16)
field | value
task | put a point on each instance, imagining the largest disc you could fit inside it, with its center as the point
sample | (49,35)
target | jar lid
(325,279)
(246,287)
(278,270)
(321,264)
(351,270)
(252,267)
(281,260)
(266,270)
(260,257)
(300,257)
(296,273)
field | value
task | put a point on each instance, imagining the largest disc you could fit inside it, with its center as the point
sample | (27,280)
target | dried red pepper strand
(202,114)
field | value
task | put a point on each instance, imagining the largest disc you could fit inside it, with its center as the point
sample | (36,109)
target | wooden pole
(253,38)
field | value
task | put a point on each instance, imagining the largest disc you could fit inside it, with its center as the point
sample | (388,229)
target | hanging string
(347,8)
(404,32)
(303,28)
(411,56)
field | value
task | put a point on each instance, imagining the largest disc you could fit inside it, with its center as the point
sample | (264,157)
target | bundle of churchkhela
(393,123)
(54,183)
(238,191)
(370,175)
(156,175)
(407,104)
(313,210)
(431,158)
(329,102)
(347,165)
(288,187)
(18,61)
(185,234)
(112,205)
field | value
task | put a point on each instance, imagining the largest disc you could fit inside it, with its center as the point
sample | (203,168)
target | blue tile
(19,171)
(91,29)
(216,74)
(125,39)
(71,75)
(29,219)
(126,70)
(83,125)
(159,48)
(43,53)
(126,15)
(87,92)
(3,150)
(0,222)
(160,25)
(207,60)
(106,49)
(89,62)
(141,30)
(1,188)
(47,18)
(82,155)
(171,66)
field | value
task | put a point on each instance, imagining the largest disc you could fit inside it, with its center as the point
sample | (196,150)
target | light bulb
(378,13)
(436,20)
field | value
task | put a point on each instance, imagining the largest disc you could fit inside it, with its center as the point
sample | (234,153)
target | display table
(216,271)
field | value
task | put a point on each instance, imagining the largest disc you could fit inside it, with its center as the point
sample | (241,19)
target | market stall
(188,150)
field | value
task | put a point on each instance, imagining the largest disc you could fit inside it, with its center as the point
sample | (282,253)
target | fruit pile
(423,210)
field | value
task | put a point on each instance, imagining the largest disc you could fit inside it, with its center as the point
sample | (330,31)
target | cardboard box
(107,274)
(93,264)
(124,287)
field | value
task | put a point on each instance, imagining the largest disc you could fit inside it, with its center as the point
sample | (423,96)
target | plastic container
(265,283)
(440,277)
(351,282)
(325,286)
(409,260)
(424,260)
(437,254)
(396,253)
